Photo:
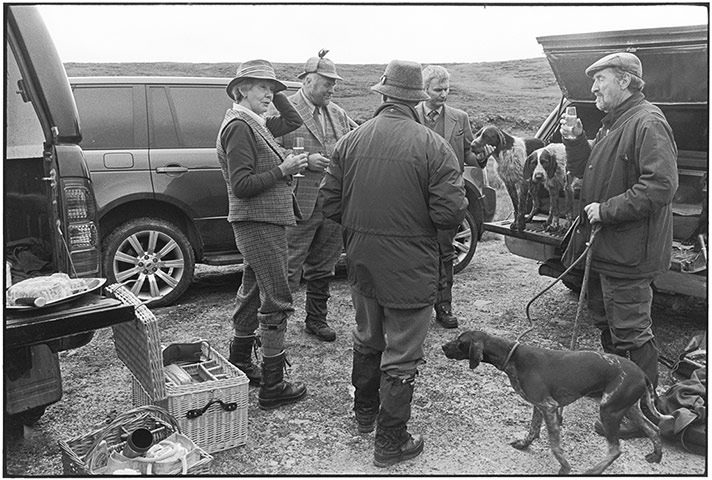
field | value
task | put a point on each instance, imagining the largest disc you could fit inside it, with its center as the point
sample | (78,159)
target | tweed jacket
(338,124)
(392,183)
(458,132)
(273,201)
(631,170)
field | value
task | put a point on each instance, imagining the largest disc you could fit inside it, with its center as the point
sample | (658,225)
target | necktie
(433,116)
(317,119)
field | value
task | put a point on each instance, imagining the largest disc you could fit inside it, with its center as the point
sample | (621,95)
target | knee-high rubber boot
(646,357)
(274,391)
(316,308)
(443,300)
(393,443)
(366,379)
(241,356)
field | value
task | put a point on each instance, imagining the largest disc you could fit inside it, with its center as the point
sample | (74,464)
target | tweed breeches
(315,245)
(263,298)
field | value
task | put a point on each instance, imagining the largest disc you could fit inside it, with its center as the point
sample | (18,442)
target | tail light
(81,235)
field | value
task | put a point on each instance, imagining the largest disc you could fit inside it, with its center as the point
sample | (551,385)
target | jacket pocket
(624,244)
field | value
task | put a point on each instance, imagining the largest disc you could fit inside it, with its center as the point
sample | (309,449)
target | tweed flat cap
(402,80)
(257,70)
(623,60)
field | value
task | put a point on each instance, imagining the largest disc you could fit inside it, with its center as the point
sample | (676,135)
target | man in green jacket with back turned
(629,179)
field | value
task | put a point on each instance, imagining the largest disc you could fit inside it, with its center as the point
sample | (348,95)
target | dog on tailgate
(552,379)
(510,152)
(546,168)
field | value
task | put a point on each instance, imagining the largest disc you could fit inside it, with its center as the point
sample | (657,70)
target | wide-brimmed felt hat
(624,60)
(402,80)
(322,66)
(256,70)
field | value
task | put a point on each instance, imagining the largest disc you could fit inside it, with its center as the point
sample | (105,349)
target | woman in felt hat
(258,173)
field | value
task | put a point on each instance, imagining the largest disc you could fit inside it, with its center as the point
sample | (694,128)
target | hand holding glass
(568,123)
(298,149)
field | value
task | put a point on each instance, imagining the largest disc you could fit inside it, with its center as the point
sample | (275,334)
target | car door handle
(171,169)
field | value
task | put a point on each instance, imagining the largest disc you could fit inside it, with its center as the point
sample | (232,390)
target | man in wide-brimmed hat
(392,183)
(315,243)
(258,176)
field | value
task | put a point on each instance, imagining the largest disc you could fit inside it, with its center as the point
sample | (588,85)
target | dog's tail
(650,399)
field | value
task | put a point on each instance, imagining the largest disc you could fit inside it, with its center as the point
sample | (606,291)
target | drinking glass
(298,149)
(571,116)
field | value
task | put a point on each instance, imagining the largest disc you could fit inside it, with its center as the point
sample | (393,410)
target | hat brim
(323,74)
(400,93)
(278,86)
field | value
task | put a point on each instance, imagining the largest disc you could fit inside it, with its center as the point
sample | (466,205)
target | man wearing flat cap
(392,183)
(315,243)
(629,180)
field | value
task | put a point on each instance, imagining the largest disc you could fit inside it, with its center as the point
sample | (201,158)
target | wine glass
(298,148)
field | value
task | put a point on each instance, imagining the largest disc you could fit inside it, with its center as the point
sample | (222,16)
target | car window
(24,134)
(106,116)
(198,112)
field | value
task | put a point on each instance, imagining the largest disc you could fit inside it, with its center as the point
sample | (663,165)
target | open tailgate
(679,52)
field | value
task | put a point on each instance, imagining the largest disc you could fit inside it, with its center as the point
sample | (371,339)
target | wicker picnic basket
(213,413)
(81,455)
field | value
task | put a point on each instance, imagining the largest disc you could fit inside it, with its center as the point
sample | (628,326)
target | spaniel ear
(506,140)
(551,165)
(529,166)
(475,354)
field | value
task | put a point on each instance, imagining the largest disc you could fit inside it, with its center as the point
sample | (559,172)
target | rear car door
(183,122)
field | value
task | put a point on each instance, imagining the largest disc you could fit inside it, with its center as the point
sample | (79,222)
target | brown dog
(510,152)
(552,379)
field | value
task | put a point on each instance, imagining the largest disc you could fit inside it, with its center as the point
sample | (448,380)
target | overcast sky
(353,33)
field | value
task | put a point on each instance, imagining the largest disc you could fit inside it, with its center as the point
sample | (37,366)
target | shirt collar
(308,102)
(427,109)
(258,118)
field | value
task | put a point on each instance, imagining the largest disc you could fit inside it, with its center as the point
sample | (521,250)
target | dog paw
(654,457)
(520,444)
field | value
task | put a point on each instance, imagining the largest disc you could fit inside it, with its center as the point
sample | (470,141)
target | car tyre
(465,242)
(152,257)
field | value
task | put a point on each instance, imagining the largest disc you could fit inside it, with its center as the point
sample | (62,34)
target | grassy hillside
(515,95)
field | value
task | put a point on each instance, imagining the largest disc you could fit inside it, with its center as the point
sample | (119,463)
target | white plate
(92,285)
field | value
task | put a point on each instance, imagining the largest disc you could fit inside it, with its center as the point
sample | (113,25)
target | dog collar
(509,355)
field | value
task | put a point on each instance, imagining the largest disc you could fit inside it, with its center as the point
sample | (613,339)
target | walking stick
(584,285)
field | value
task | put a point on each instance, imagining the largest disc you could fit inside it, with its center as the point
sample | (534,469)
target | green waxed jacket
(631,170)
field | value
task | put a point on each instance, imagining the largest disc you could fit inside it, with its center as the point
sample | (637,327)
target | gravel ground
(467,417)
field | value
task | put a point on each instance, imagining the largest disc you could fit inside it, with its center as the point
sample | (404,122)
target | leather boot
(444,316)
(393,443)
(316,308)
(241,356)
(274,391)
(366,379)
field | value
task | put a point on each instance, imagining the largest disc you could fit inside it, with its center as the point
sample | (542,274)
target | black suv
(50,221)
(161,197)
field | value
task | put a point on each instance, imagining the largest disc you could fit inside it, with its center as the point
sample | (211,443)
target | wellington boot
(366,379)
